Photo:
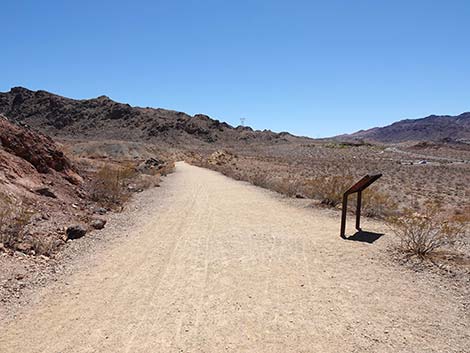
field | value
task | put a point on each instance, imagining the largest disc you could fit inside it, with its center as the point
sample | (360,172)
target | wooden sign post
(358,187)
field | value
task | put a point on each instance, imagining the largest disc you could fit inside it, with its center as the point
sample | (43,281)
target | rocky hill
(431,128)
(37,179)
(102,118)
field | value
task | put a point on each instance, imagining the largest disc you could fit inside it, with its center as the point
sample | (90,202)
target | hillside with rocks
(103,118)
(432,128)
(49,189)
(39,185)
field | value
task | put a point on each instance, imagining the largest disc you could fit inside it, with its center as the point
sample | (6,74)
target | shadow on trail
(364,237)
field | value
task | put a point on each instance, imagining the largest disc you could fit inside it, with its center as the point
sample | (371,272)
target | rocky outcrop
(151,166)
(221,157)
(36,148)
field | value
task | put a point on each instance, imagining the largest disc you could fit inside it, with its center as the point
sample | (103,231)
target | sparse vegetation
(13,220)
(286,186)
(423,233)
(43,245)
(378,204)
(328,189)
(113,184)
(259,179)
(109,184)
(167,168)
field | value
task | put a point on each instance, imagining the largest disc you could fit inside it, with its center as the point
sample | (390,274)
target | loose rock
(23,247)
(98,223)
(101,210)
(75,232)
(45,191)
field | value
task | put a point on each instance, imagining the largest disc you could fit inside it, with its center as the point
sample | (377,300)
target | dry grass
(109,185)
(14,220)
(14,217)
(42,245)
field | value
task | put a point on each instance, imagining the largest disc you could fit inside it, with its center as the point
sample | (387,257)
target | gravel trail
(218,265)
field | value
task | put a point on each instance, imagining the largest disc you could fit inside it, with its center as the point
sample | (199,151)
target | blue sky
(316,68)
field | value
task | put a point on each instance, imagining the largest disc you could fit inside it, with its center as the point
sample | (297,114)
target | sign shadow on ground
(364,237)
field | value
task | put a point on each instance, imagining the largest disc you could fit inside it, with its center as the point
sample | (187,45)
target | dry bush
(286,186)
(42,245)
(112,184)
(144,181)
(14,217)
(329,190)
(109,186)
(423,233)
(259,179)
(377,204)
(167,168)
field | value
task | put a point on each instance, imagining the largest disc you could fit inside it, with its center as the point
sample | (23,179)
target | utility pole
(242,121)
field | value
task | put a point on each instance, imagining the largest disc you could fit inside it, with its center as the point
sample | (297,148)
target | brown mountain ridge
(432,128)
(102,118)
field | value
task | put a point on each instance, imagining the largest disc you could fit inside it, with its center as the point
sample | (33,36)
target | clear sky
(314,68)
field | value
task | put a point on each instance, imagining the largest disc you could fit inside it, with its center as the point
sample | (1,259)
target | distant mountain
(102,118)
(431,128)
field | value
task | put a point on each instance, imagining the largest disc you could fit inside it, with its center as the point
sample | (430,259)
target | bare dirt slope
(218,265)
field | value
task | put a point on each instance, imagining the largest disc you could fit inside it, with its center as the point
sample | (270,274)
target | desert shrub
(14,217)
(423,233)
(286,186)
(109,186)
(145,181)
(226,170)
(43,245)
(167,168)
(377,204)
(112,184)
(260,179)
(329,190)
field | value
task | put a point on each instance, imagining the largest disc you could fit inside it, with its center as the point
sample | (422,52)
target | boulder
(221,157)
(75,232)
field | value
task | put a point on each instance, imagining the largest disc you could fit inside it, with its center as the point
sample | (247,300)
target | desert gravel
(210,264)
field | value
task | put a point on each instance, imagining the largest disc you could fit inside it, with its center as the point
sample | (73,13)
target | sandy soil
(218,265)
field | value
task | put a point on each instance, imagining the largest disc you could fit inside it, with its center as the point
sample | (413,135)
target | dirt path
(219,266)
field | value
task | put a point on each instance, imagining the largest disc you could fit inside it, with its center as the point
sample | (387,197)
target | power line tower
(242,121)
